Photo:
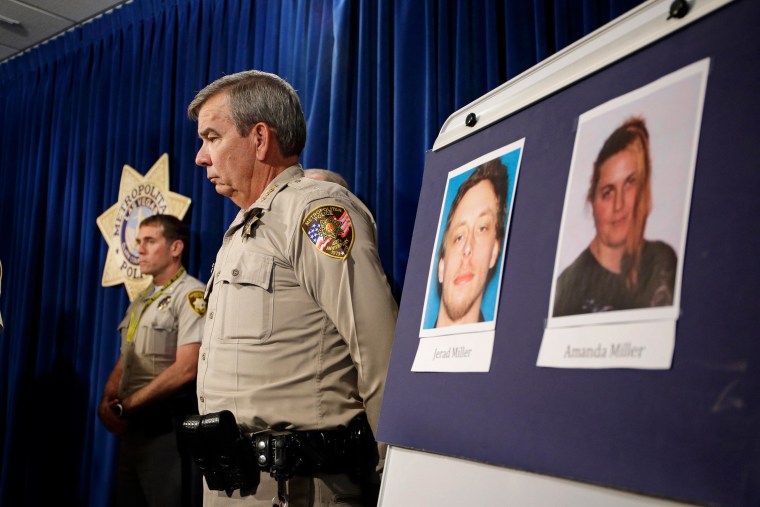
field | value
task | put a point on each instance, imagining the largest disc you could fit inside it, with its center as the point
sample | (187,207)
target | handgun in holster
(221,452)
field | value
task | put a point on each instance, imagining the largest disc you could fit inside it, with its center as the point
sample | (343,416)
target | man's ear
(441,267)
(175,249)
(263,137)
(494,254)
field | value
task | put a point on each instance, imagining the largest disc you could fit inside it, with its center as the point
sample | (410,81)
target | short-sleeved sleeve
(334,254)
(191,310)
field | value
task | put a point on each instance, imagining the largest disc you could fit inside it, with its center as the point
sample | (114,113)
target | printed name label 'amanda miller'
(625,349)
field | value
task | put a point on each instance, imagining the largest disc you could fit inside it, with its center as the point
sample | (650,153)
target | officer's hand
(108,417)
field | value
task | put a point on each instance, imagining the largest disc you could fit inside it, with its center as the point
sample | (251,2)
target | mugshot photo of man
(467,259)
(620,269)
(472,242)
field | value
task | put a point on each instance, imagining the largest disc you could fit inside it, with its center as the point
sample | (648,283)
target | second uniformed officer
(147,391)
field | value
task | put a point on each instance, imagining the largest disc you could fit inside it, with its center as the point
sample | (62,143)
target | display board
(688,430)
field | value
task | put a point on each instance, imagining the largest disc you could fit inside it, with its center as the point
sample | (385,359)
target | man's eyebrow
(486,212)
(205,132)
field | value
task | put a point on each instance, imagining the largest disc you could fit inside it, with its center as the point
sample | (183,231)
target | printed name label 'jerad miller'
(451,353)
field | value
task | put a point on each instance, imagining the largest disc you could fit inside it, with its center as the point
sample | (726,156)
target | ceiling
(26,23)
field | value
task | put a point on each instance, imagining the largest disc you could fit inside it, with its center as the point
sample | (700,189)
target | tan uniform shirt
(166,324)
(295,338)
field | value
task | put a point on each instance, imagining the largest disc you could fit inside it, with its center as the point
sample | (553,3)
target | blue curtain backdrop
(377,80)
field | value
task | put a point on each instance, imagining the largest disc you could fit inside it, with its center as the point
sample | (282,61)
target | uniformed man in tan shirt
(146,394)
(300,316)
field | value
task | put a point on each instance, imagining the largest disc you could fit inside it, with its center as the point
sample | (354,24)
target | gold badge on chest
(164,303)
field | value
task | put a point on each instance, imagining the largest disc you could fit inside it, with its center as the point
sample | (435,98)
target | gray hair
(254,96)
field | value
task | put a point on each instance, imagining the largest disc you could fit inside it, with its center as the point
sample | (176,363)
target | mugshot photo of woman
(622,239)
(620,269)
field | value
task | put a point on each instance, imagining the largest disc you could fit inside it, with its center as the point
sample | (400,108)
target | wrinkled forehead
(215,108)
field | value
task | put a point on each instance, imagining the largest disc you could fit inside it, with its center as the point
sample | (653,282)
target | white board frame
(422,479)
(620,37)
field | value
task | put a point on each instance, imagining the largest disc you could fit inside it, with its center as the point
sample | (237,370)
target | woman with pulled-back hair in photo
(620,269)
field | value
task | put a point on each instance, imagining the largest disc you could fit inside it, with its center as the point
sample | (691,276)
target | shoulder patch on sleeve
(330,230)
(196,302)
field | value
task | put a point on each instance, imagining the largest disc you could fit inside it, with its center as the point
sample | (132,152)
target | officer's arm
(109,399)
(168,382)
(354,293)
(111,390)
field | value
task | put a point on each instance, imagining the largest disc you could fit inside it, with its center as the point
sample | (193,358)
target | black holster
(221,452)
(230,460)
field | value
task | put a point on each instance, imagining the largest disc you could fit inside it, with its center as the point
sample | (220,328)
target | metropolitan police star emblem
(139,198)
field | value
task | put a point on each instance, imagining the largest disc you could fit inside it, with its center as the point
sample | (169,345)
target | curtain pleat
(377,79)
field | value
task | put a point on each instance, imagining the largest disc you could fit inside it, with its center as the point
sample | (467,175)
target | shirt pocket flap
(164,320)
(250,268)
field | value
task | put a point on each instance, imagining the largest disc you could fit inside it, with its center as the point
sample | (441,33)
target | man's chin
(457,310)
(223,190)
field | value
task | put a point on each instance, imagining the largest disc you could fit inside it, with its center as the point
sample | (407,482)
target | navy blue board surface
(691,433)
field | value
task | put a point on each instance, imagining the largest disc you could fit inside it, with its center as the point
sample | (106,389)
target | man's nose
(201,158)
(467,247)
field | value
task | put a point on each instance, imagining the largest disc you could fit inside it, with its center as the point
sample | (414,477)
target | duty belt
(231,460)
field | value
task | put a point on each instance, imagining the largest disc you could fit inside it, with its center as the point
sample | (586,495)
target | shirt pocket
(246,297)
(160,337)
